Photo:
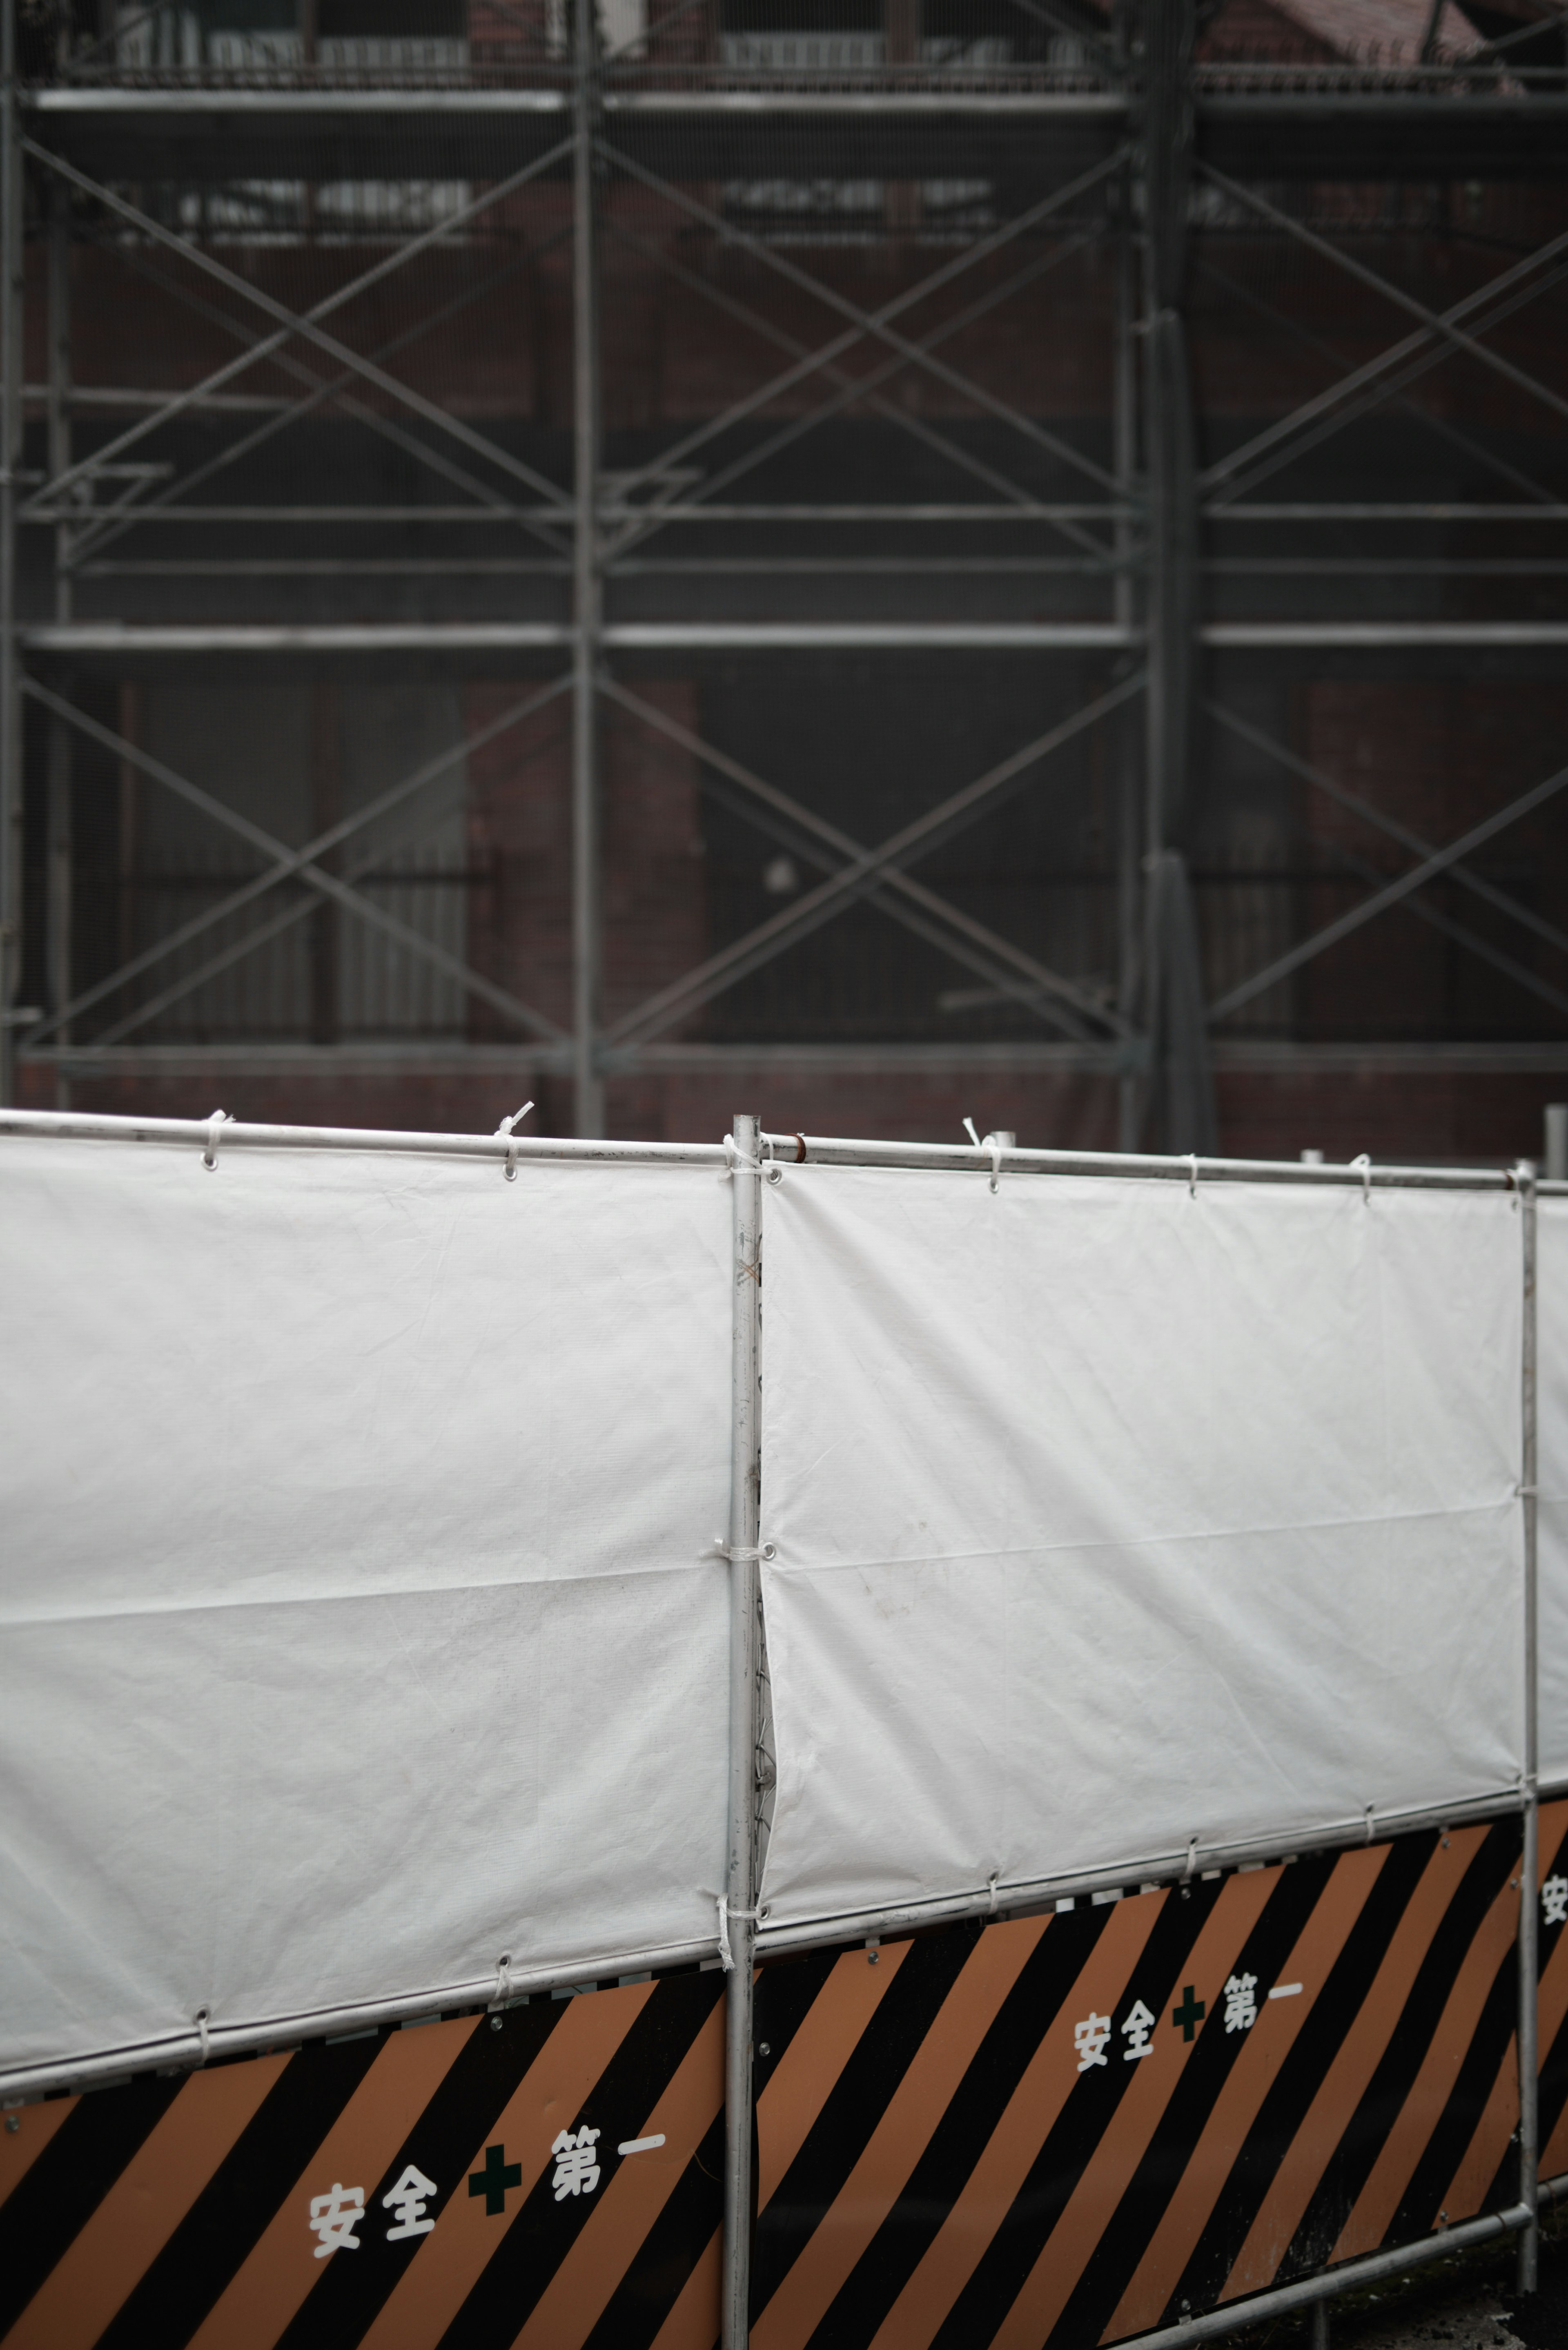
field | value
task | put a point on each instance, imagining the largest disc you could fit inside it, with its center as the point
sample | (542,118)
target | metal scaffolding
(858,225)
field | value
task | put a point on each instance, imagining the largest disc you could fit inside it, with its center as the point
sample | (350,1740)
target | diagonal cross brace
(863,871)
(875,323)
(293,864)
(1022,978)
(1442,324)
(1394,388)
(166,504)
(852,389)
(1347,798)
(293,323)
(1381,900)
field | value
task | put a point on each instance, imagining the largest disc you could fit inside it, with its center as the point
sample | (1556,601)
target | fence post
(745,1497)
(1529,1874)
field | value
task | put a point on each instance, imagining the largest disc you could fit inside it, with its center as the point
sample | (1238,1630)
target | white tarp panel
(1108,1515)
(1552,1481)
(358,1628)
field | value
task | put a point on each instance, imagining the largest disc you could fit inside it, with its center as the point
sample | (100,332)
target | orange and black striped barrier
(1071,2128)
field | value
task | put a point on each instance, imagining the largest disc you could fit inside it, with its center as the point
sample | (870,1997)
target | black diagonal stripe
(62,2188)
(240,2200)
(1316,2044)
(440,2142)
(1362,2140)
(1032,2008)
(999,2273)
(1264,1955)
(1467,2101)
(667,2253)
(785,1993)
(544,2230)
(856,2103)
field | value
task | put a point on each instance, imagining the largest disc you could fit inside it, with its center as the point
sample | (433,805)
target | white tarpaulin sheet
(360,1619)
(1552,1481)
(1110,1514)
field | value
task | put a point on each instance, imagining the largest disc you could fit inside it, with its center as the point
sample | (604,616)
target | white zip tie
(505,1126)
(1192,1179)
(210,1156)
(1363,1160)
(502,1982)
(995,1162)
(726,1955)
(736,1160)
(202,2032)
(739,1557)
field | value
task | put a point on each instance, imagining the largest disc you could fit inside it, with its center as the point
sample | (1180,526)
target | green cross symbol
(1189,2014)
(493,2180)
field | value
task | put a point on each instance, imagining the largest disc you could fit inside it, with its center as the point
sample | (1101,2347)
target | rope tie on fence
(726,1955)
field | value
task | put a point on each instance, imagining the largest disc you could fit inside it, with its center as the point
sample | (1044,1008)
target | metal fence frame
(754,1160)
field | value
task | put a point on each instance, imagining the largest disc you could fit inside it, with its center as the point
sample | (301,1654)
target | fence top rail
(233,1134)
(833,1150)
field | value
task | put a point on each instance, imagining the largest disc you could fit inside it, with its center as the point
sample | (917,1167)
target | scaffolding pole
(588,1111)
(11,845)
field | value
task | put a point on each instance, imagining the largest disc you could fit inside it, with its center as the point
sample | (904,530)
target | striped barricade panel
(548,2178)
(1078,2126)
(1552,2009)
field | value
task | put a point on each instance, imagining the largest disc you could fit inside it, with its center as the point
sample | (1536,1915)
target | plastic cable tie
(739,1557)
(210,1156)
(203,2034)
(736,1160)
(726,1955)
(1192,1179)
(1191,1857)
(992,1884)
(505,1128)
(996,1149)
(1367,1837)
(970,1130)
(1363,1160)
(502,1982)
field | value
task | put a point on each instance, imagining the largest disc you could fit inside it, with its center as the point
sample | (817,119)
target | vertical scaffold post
(61,859)
(1530,1869)
(745,1518)
(10,464)
(588,1087)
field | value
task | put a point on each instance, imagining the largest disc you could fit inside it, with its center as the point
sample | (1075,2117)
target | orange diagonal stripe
(1345,2083)
(994,2184)
(20,2148)
(448,2261)
(1130,2130)
(142,2210)
(1433,2085)
(807,2071)
(900,2138)
(694,2316)
(578,2294)
(268,2287)
(1252,2074)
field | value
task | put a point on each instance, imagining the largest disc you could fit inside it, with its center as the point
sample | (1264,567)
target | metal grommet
(775,1172)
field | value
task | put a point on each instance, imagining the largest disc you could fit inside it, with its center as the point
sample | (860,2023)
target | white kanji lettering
(334,2217)
(1241,2003)
(1135,2030)
(577,2163)
(1554,1900)
(408,2200)
(1089,2039)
